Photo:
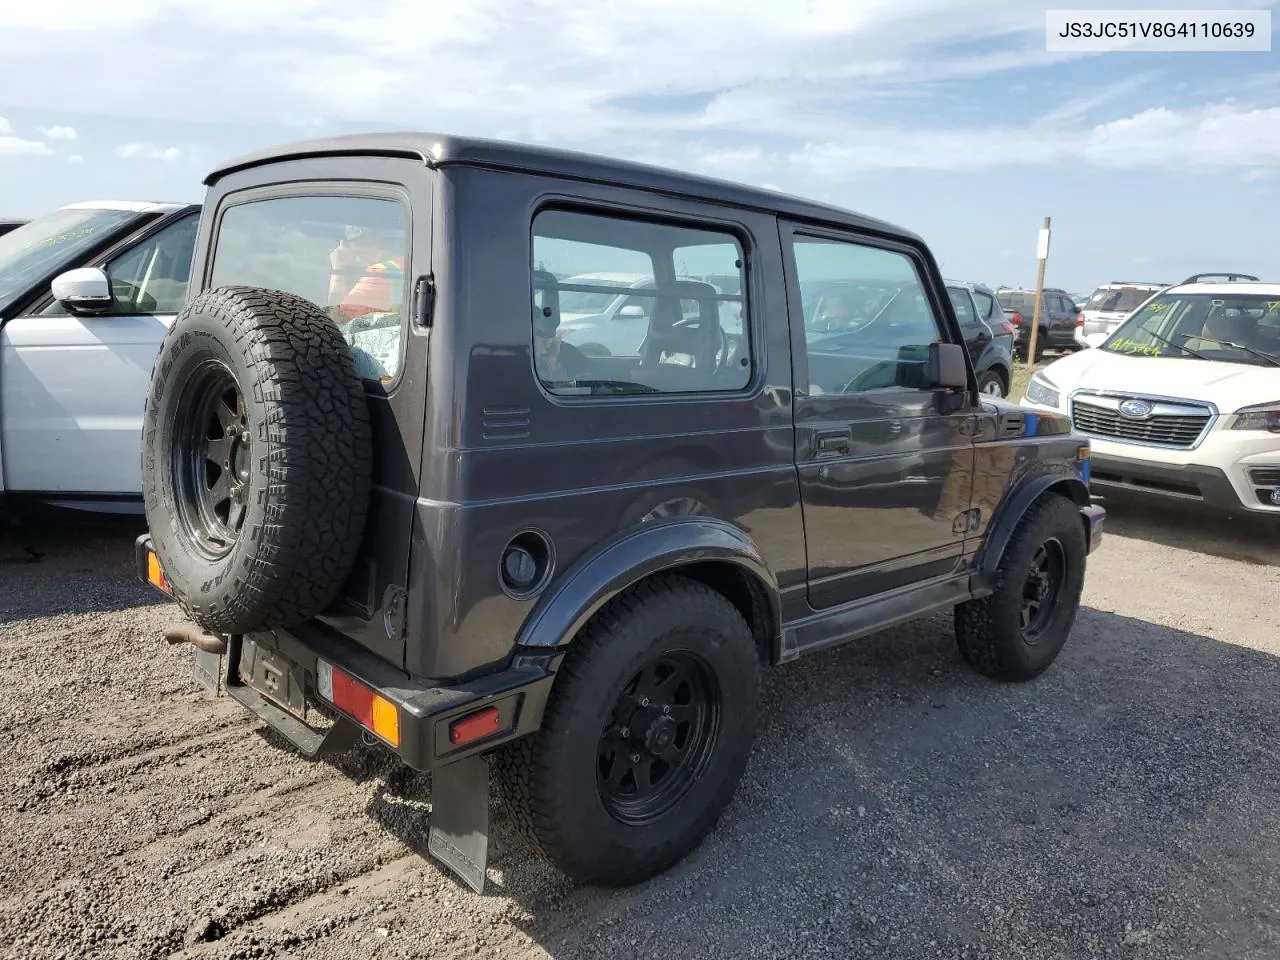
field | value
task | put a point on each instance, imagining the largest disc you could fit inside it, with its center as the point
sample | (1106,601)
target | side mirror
(86,289)
(632,311)
(946,366)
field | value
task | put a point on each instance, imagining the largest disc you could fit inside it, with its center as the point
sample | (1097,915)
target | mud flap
(459,833)
(207,671)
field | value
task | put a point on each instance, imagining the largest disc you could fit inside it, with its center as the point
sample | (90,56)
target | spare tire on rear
(256,459)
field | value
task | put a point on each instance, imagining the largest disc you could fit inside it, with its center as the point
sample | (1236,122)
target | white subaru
(1183,399)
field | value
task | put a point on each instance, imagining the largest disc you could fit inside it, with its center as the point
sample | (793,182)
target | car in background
(607,314)
(87,293)
(8,226)
(1183,400)
(988,335)
(1058,318)
(1079,299)
(1109,305)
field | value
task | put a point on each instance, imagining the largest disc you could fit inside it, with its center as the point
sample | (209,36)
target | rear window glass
(344,254)
(1121,300)
(1017,302)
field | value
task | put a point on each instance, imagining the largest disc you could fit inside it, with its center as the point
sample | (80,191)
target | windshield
(44,245)
(1117,300)
(1203,324)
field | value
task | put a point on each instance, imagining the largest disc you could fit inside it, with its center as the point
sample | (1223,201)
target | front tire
(645,736)
(1019,630)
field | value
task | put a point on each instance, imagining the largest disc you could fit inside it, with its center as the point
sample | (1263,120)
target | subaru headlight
(1265,416)
(1041,391)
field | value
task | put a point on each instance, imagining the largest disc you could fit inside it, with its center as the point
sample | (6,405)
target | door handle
(832,443)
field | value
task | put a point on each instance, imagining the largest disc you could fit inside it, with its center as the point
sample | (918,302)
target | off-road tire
(989,377)
(309,459)
(549,779)
(989,631)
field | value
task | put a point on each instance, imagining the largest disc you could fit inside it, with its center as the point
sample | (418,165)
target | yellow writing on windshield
(1132,346)
(1159,306)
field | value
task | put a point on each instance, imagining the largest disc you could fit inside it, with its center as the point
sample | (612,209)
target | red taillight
(370,709)
(1006,326)
(1079,319)
(475,727)
(1016,318)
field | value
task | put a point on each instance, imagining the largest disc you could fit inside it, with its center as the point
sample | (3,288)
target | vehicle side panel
(503,456)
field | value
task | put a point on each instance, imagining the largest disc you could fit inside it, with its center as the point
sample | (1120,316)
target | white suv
(1108,306)
(1183,400)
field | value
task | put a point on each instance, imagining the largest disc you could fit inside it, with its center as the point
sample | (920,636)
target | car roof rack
(1229,277)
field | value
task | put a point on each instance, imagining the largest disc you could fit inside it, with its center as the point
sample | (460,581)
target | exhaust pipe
(190,633)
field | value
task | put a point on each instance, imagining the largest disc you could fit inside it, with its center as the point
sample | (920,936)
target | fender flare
(641,552)
(1014,509)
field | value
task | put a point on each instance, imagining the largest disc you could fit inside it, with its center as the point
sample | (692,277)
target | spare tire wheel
(257,459)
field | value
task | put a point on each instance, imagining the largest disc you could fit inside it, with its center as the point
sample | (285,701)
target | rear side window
(344,254)
(962,305)
(986,304)
(627,307)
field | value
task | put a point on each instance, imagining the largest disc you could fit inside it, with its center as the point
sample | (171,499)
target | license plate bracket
(274,676)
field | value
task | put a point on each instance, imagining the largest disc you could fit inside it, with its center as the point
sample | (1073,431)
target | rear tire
(257,459)
(992,385)
(578,787)
(1019,630)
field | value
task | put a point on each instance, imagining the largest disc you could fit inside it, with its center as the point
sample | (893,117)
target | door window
(344,254)
(985,302)
(152,277)
(867,322)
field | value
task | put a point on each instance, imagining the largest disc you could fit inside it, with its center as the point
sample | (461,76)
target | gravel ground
(897,806)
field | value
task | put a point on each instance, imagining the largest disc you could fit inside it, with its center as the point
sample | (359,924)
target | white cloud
(11,146)
(770,91)
(1226,135)
(75,158)
(60,133)
(147,151)
(437,64)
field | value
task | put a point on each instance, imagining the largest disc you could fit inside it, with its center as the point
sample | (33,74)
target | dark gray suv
(1058,318)
(399,507)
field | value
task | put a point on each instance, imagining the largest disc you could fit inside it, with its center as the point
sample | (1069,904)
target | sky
(948,118)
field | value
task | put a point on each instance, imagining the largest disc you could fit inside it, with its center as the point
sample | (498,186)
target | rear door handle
(832,443)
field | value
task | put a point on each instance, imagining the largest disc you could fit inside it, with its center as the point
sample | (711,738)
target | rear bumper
(272,673)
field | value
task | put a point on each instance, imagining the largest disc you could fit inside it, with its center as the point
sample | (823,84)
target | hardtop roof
(439,150)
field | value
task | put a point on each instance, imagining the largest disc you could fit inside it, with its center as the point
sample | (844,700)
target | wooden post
(1042,254)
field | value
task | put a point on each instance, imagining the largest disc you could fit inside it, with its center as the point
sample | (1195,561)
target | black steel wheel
(645,736)
(1019,630)
(212,459)
(658,738)
(1045,579)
